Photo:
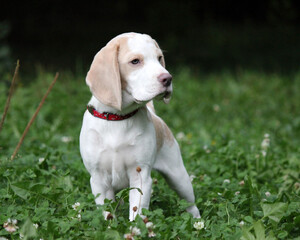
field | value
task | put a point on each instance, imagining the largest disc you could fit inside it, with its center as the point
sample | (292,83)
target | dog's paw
(194,211)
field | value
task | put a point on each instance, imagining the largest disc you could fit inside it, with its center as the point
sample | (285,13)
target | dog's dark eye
(135,61)
(159,58)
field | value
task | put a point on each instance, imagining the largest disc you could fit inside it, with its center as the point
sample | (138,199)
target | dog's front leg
(140,178)
(100,184)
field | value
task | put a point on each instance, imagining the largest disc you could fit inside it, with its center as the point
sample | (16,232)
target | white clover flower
(149,225)
(192,177)
(66,139)
(267,135)
(226,181)
(76,205)
(135,231)
(41,160)
(264,153)
(36,225)
(151,234)
(11,225)
(237,193)
(79,216)
(242,223)
(216,108)
(180,136)
(206,149)
(268,194)
(265,144)
(242,183)
(199,225)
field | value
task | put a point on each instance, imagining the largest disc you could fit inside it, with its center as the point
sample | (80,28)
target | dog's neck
(126,107)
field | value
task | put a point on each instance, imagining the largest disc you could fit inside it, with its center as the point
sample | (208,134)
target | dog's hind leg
(170,164)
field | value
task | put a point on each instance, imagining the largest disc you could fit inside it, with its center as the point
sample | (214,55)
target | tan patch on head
(124,58)
(125,55)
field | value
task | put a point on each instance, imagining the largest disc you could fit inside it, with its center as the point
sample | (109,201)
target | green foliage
(239,136)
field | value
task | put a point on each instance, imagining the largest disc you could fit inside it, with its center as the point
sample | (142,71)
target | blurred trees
(5,52)
(204,34)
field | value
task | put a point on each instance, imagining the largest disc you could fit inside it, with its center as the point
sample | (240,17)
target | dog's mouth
(165,96)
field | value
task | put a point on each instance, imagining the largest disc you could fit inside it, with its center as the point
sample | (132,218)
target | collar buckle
(106,115)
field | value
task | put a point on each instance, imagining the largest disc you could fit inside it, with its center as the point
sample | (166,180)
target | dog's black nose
(165,79)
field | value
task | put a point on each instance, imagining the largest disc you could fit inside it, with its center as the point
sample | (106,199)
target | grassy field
(240,139)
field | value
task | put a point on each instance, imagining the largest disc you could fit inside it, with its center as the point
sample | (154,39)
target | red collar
(109,116)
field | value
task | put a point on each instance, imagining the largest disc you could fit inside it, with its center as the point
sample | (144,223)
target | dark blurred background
(204,35)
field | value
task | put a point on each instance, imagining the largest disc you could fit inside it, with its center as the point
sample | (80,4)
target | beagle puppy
(122,139)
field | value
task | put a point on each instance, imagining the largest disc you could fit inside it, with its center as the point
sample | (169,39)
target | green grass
(220,121)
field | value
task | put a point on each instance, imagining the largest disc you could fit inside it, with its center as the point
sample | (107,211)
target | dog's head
(131,68)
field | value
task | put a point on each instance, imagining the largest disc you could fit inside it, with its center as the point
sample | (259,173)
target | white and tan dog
(122,139)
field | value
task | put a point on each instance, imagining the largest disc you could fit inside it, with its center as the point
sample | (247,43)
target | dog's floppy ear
(104,78)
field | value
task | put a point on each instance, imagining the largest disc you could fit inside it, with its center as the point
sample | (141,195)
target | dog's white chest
(114,147)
